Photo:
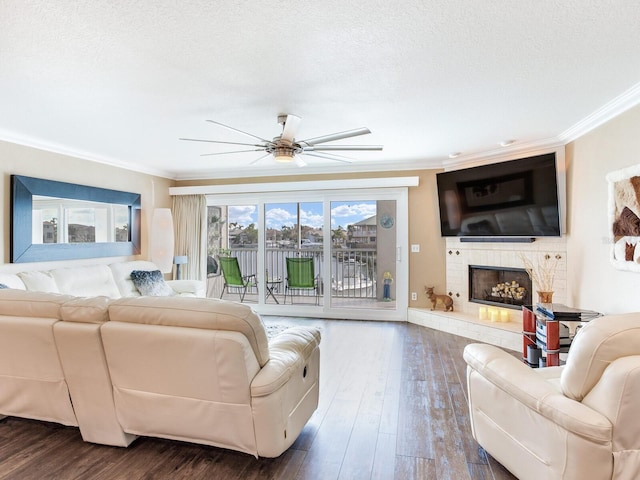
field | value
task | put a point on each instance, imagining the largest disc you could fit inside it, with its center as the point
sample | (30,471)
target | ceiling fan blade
(290,127)
(239,131)
(336,158)
(321,148)
(218,141)
(235,151)
(299,161)
(259,158)
(335,136)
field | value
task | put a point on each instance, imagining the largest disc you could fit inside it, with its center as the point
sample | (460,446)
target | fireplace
(501,286)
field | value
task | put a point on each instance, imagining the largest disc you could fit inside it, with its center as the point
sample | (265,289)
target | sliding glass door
(293,248)
(363,254)
(333,254)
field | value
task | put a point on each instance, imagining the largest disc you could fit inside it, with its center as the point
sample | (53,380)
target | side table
(552,349)
(272,286)
(546,317)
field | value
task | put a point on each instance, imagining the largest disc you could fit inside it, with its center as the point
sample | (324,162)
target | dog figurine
(445,300)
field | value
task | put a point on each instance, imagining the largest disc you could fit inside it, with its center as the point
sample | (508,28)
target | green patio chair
(301,277)
(233,277)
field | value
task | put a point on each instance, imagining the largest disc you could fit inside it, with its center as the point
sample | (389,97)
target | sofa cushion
(23,303)
(39,282)
(86,281)
(594,347)
(208,313)
(87,310)
(151,283)
(12,280)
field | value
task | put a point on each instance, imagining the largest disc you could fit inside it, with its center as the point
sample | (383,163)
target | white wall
(592,282)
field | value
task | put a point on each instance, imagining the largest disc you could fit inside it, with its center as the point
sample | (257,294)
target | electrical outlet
(415,248)
(414,296)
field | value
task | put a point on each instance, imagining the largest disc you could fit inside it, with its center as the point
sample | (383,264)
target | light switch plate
(415,248)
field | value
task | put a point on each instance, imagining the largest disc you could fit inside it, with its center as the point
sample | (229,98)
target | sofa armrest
(615,396)
(188,287)
(287,353)
(529,388)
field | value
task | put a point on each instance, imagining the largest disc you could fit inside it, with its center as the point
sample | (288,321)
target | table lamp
(179,260)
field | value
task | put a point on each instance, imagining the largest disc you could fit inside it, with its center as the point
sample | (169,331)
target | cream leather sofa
(113,281)
(577,421)
(192,369)
(32,382)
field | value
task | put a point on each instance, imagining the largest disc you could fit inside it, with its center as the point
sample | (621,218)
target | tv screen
(517,198)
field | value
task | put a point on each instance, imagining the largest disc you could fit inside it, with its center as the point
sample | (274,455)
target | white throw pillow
(12,280)
(39,282)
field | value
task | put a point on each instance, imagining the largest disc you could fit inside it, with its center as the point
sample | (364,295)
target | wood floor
(392,406)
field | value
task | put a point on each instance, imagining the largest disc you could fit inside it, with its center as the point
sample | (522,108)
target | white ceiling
(120,81)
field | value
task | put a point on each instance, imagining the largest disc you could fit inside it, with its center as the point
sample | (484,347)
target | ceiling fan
(285,148)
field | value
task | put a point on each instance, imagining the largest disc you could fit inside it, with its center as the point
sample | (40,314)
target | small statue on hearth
(445,300)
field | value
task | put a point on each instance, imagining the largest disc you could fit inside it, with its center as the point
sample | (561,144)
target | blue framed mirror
(53,220)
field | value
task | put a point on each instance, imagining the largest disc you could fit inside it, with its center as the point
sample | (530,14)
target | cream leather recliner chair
(32,380)
(577,421)
(202,370)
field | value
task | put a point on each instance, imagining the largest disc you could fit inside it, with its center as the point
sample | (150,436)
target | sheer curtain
(190,224)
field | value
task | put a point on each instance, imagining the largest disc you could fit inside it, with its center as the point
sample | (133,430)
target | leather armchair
(202,370)
(576,421)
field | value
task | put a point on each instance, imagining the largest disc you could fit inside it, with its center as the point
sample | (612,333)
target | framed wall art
(624,217)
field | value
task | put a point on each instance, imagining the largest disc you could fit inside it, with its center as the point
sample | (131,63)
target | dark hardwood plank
(450,460)
(39,457)
(393,405)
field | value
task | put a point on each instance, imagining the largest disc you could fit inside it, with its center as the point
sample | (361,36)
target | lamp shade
(180,259)
(162,239)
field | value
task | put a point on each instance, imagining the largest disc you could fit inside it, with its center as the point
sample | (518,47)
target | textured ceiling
(120,81)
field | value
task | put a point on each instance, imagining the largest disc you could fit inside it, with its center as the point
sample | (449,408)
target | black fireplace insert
(500,286)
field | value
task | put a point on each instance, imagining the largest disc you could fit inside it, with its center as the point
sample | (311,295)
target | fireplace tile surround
(461,255)
(464,320)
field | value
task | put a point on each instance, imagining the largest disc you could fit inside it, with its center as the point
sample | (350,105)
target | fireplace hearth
(500,286)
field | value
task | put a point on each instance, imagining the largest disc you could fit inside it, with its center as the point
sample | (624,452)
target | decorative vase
(545,297)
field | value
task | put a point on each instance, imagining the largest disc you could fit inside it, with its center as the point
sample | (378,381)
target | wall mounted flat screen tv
(517,198)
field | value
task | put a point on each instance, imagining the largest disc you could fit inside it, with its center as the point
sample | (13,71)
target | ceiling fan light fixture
(283,154)
(284,148)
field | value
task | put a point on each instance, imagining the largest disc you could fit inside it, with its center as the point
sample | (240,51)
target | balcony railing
(353,270)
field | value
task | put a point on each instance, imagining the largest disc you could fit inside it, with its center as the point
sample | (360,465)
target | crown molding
(82,155)
(610,110)
(529,149)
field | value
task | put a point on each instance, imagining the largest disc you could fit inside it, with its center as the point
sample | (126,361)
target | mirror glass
(65,220)
(56,220)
